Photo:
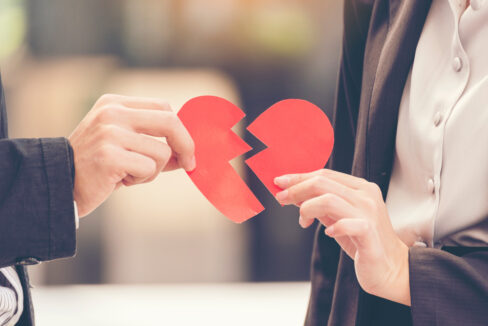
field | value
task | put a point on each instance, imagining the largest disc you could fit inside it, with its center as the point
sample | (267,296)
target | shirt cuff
(77,218)
(58,165)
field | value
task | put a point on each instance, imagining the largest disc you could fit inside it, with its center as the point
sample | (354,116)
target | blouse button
(437,119)
(476,4)
(430,185)
(457,64)
(420,244)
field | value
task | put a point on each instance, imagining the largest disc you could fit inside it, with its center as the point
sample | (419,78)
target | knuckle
(370,204)
(327,201)
(150,167)
(163,154)
(107,114)
(373,187)
(363,184)
(107,133)
(108,98)
(318,185)
(171,119)
(376,189)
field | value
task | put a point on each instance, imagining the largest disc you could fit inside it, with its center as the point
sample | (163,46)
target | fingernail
(329,231)
(301,221)
(281,196)
(282,181)
(192,165)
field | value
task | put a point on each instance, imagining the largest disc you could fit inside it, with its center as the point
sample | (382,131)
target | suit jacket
(448,286)
(36,203)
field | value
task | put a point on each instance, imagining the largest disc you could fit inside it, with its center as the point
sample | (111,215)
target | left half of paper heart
(209,120)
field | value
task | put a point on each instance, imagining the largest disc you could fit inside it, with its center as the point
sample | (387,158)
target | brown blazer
(448,286)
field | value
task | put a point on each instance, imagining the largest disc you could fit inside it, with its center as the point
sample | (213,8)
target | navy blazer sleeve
(36,200)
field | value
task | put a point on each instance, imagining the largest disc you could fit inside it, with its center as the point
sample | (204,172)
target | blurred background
(58,56)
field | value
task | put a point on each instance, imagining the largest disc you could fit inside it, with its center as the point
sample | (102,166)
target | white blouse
(439,182)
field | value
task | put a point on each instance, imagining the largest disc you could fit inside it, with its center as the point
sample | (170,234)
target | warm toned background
(58,56)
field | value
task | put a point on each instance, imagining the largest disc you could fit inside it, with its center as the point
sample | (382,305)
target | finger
(289,180)
(148,103)
(172,164)
(305,222)
(358,230)
(133,164)
(347,245)
(139,143)
(314,187)
(326,220)
(164,124)
(330,206)
(157,150)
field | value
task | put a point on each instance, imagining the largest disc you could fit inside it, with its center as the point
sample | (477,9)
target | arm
(355,215)
(442,288)
(36,200)
(113,146)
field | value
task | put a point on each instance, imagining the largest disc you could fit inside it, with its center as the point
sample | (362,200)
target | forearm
(36,200)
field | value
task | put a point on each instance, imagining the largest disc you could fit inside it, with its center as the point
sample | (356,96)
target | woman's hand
(355,215)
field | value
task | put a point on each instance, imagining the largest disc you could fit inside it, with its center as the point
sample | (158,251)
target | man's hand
(355,215)
(114,145)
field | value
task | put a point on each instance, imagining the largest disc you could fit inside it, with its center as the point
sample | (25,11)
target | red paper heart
(298,134)
(299,137)
(209,120)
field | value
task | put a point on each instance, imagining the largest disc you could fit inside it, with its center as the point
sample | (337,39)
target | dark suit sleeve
(36,200)
(448,289)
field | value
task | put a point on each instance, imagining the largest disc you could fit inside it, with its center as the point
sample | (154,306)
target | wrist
(398,289)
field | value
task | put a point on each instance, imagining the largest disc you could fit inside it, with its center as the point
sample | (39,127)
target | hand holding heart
(290,126)
(114,145)
(355,215)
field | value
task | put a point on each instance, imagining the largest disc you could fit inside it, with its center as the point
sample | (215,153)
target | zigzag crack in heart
(298,136)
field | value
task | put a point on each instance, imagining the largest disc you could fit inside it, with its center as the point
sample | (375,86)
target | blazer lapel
(393,36)
(393,50)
